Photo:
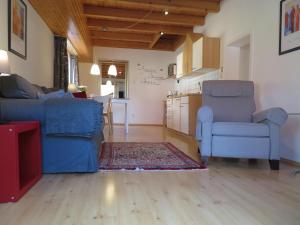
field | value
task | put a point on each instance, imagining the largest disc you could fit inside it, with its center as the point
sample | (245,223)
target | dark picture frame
(289,28)
(17,28)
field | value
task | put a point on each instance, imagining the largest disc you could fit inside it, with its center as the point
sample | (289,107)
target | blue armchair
(227,127)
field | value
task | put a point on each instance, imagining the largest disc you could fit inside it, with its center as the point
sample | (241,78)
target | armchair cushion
(234,91)
(230,101)
(240,129)
(275,115)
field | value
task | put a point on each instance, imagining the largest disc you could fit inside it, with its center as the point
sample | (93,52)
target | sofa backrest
(230,100)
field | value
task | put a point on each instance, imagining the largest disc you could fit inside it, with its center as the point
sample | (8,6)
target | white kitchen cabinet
(182,113)
(170,113)
(184,118)
(179,65)
(176,114)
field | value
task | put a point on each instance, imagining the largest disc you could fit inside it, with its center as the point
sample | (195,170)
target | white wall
(193,84)
(38,67)
(93,82)
(277,78)
(244,66)
(145,105)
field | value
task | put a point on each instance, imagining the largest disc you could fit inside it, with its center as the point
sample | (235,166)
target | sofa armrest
(21,109)
(274,115)
(73,117)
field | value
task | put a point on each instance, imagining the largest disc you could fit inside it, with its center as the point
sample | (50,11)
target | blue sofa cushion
(240,129)
(55,94)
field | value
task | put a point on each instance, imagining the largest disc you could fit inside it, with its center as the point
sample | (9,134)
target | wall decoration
(289,39)
(150,76)
(17,28)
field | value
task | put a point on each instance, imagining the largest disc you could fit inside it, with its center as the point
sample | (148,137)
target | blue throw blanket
(73,117)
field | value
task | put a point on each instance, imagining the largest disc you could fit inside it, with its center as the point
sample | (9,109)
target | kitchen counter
(183,95)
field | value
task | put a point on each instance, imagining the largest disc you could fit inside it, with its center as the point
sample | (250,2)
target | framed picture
(17,28)
(289,35)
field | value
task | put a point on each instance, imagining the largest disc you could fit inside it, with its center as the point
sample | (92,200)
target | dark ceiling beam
(141,16)
(185,7)
(128,26)
(123,36)
(156,37)
(131,44)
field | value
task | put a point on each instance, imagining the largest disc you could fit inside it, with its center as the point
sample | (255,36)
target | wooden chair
(107,109)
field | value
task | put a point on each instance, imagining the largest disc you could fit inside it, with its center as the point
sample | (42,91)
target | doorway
(241,48)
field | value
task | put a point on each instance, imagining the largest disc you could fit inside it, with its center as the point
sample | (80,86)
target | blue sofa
(228,127)
(71,130)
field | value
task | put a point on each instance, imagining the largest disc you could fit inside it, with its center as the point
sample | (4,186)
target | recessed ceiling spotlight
(161,33)
(166,12)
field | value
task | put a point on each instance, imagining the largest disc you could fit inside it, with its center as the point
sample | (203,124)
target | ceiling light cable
(139,20)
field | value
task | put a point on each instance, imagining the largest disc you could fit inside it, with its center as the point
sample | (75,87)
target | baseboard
(290,162)
(139,124)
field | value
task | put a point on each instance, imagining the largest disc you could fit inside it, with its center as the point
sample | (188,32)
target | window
(73,64)
(73,69)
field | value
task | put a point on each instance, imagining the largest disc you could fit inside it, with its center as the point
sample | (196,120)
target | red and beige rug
(144,156)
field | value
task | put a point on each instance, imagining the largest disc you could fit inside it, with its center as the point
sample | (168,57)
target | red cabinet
(20,159)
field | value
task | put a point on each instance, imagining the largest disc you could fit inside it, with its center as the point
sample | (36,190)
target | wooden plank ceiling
(138,24)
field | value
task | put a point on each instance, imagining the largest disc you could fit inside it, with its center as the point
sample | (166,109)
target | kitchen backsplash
(192,84)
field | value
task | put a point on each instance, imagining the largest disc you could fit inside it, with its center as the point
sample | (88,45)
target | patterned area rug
(144,156)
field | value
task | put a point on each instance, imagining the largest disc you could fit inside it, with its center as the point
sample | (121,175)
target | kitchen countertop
(183,95)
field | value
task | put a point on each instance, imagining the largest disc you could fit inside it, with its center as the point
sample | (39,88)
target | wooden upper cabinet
(200,54)
(206,54)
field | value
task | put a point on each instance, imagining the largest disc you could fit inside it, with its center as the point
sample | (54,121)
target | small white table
(125,102)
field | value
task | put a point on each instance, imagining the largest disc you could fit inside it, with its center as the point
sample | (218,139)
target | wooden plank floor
(229,192)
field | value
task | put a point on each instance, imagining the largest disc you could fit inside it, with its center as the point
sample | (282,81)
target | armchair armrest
(274,115)
(73,117)
(204,129)
(204,115)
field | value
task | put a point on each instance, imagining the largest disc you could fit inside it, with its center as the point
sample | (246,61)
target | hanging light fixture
(112,70)
(95,70)
(108,83)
